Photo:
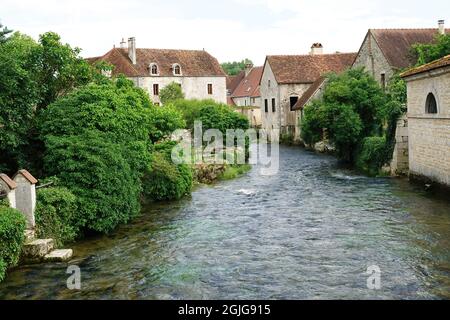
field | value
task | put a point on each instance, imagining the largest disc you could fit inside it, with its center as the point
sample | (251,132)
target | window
(274,109)
(176,70)
(268,83)
(210,88)
(431,104)
(266,105)
(156,89)
(383,81)
(293,101)
(154,69)
(157,104)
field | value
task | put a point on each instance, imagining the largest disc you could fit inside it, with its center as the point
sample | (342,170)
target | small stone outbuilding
(26,196)
(8,189)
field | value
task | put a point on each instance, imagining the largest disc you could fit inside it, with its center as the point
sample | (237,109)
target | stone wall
(400,158)
(429,134)
(372,59)
(192,87)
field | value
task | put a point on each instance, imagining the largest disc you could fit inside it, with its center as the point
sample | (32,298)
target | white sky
(228,29)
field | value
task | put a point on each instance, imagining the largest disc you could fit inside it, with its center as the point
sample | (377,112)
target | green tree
(235,67)
(59,68)
(170,93)
(426,53)
(351,109)
(4,31)
(19,94)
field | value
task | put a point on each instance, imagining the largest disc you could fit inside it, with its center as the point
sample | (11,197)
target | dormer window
(176,70)
(154,71)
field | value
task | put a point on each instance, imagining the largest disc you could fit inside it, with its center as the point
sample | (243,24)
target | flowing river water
(309,232)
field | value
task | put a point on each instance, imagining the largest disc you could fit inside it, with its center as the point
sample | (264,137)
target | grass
(234,171)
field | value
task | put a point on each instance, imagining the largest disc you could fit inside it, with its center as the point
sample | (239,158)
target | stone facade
(283,118)
(192,87)
(429,133)
(372,59)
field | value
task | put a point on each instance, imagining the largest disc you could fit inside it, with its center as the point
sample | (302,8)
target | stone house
(197,72)
(287,78)
(429,121)
(384,52)
(246,97)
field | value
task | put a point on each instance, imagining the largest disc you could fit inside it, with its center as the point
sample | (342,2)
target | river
(309,232)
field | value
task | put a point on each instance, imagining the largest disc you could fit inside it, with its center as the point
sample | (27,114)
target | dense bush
(164,121)
(12,237)
(103,175)
(56,215)
(165,180)
(171,92)
(97,144)
(372,155)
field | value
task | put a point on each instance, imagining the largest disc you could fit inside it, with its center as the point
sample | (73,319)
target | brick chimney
(248,68)
(316,49)
(441,26)
(132,49)
(123,44)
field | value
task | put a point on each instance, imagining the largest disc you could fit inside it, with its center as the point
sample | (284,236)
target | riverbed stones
(59,255)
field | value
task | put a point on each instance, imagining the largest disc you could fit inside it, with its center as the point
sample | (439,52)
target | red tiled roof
(10,183)
(249,86)
(309,94)
(234,81)
(27,176)
(396,44)
(441,63)
(307,68)
(194,63)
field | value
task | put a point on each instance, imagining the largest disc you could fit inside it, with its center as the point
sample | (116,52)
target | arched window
(431,104)
(154,69)
(176,70)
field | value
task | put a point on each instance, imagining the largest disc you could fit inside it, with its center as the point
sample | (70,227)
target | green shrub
(12,237)
(4,203)
(164,121)
(171,92)
(372,155)
(166,180)
(103,175)
(97,144)
(56,215)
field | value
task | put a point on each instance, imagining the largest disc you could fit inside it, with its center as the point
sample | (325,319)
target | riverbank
(257,237)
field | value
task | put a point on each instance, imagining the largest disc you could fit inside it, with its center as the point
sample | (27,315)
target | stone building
(197,72)
(246,97)
(287,78)
(387,51)
(429,121)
